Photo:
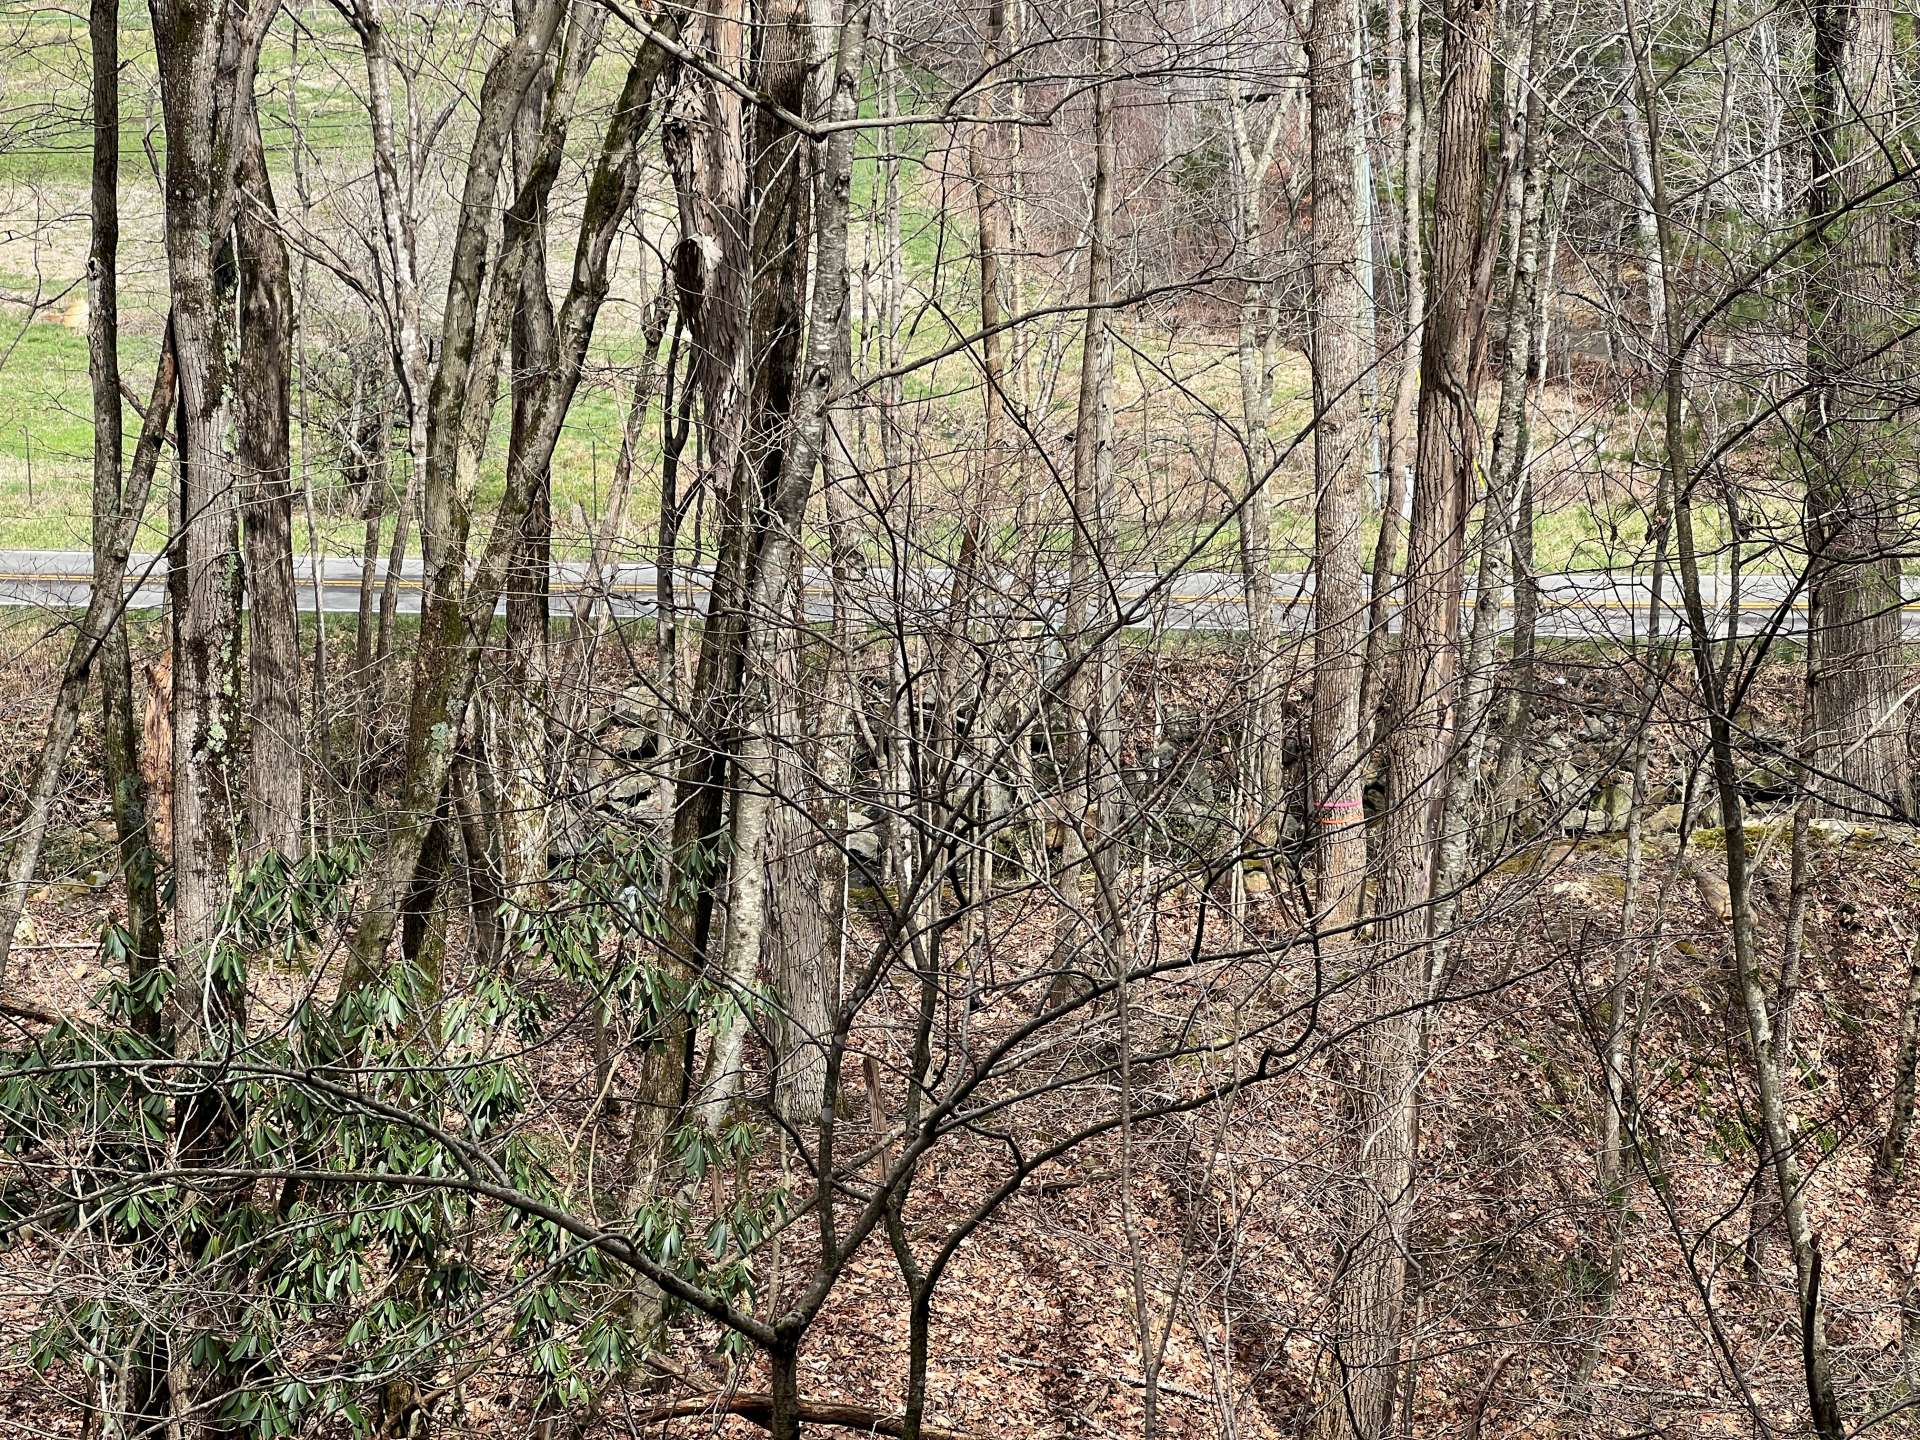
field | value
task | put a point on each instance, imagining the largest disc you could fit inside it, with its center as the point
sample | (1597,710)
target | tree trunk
(810,929)
(1516,715)
(811,901)
(373,502)
(1640,177)
(812,771)
(1775,1113)
(707,152)
(205,56)
(521,748)
(1382,595)
(734,685)
(1626,995)
(276,762)
(1505,472)
(676,426)
(486,900)
(1856,525)
(1091,751)
(806,908)
(112,527)
(775,569)
(1342,444)
(393,574)
(322,771)
(198,93)
(1370,1289)
(783,1395)
(1261,767)
(988,176)
(1828,1420)
(705,143)
(1762,1216)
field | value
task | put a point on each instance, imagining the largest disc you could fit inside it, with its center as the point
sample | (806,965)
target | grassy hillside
(1178,465)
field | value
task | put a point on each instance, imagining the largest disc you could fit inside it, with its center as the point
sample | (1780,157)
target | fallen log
(24,1009)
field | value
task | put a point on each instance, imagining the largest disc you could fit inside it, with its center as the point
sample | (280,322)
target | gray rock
(1616,799)
(630,726)
(1589,822)
(1559,784)
(1664,821)
(864,840)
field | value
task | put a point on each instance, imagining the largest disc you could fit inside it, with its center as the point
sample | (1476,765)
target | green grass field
(46,441)
(46,438)
(1176,475)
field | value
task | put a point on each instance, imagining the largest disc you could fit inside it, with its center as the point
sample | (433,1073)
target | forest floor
(1232,1210)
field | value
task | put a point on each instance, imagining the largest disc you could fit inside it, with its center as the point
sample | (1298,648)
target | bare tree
(1362,1372)
(1853,524)
(1090,796)
(276,759)
(206,56)
(1507,460)
(1410,76)
(459,606)
(1251,149)
(863,876)
(1342,443)
(1775,1112)
(118,507)
(119,501)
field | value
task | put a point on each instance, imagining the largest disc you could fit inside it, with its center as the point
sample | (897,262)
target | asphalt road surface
(1592,604)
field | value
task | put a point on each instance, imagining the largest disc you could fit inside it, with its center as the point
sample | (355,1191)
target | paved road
(1594,604)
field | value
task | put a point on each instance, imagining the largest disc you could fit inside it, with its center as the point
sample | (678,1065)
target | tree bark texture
(1401,419)
(1857,523)
(1342,440)
(194,42)
(1363,1366)
(113,527)
(276,762)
